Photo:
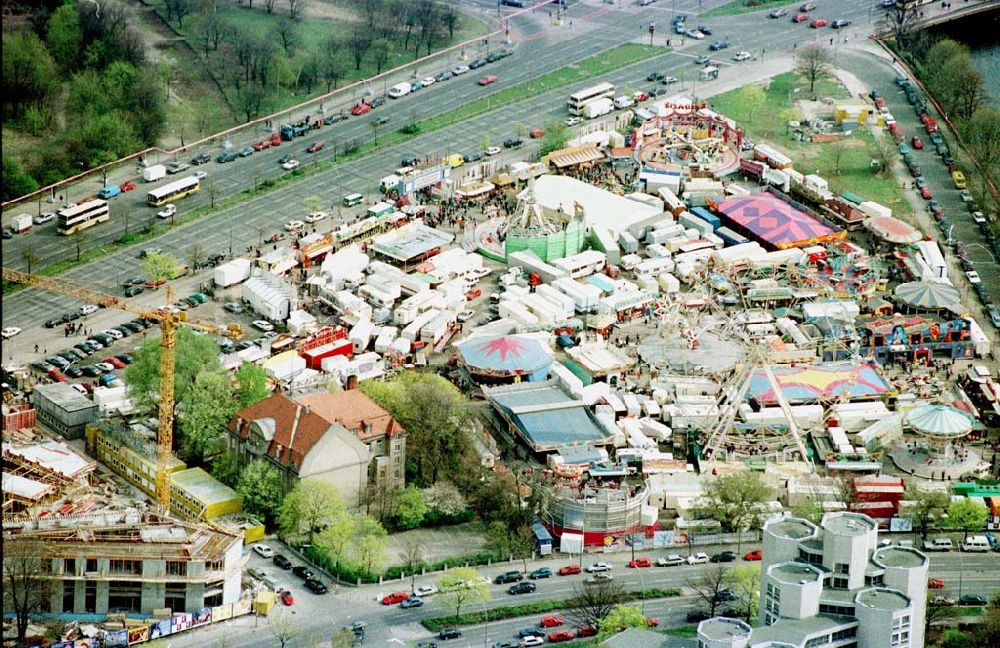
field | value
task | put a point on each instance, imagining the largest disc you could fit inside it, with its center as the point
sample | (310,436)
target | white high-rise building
(831,586)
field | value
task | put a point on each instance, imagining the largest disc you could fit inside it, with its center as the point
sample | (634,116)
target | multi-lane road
(961,573)
(542,47)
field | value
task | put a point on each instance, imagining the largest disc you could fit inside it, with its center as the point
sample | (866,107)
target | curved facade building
(604,516)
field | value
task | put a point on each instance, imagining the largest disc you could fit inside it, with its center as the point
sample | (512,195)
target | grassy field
(740,7)
(851,172)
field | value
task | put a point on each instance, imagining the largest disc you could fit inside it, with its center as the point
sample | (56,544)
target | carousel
(936,449)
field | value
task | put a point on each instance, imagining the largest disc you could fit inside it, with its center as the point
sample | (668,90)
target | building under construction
(127,562)
(44,478)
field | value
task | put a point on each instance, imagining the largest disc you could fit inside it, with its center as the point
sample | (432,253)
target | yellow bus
(173,191)
(82,216)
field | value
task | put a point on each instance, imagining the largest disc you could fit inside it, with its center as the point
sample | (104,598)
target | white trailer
(516,311)
(386,336)
(602,239)
(412,306)
(655,266)
(598,108)
(229,274)
(434,330)
(563,301)
(361,334)
(530,262)
(154,173)
(585,296)
(412,330)
(668,283)
(582,264)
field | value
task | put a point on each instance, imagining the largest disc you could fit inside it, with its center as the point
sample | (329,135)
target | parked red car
(917,142)
(560,635)
(260,146)
(361,108)
(800,17)
(287,598)
(394,598)
(756,554)
(488,79)
(640,562)
(316,146)
(819,22)
(935,583)
(57,375)
(127,186)
(652,622)
(551,621)
(925,193)
(586,631)
(473,294)
(640,95)
(569,570)
(275,139)
(536,133)
(114,362)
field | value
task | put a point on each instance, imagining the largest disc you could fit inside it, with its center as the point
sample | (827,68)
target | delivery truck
(598,108)
(154,173)
(21,223)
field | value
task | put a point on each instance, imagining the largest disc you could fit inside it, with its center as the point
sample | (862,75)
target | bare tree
(900,19)
(29,256)
(837,153)
(413,557)
(177,9)
(451,18)
(380,53)
(212,31)
(80,237)
(25,588)
(269,5)
(967,88)
(592,602)
(814,63)
(332,64)
(248,100)
(939,608)
(284,627)
(884,154)
(295,8)
(195,252)
(287,33)
(358,43)
(712,580)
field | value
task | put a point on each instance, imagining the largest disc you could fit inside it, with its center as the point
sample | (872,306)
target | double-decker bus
(580,99)
(173,191)
(82,216)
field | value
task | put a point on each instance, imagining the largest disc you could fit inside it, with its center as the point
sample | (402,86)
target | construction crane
(168,321)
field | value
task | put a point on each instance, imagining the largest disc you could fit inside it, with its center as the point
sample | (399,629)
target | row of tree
(78,79)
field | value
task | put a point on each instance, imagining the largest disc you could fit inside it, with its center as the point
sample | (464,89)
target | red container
(314,357)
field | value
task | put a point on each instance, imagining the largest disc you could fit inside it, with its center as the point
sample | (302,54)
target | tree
(380,53)
(621,617)
(451,18)
(309,508)
(336,538)
(953,638)
(260,486)
(899,20)
(286,32)
(837,152)
(707,585)
(746,585)
(967,88)
(814,63)
(342,638)
(332,63)
(884,152)
(226,468)
(808,509)
(938,610)
(752,98)
(25,587)
(460,586)
(412,558)
(374,125)
(207,408)
(295,8)
(982,132)
(284,627)
(411,508)
(29,256)
(736,501)
(80,237)
(369,543)
(193,354)
(927,507)
(433,412)
(358,44)
(159,266)
(555,137)
(64,37)
(16,182)
(177,9)
(592,602)
(444,500)
(29,73)
(251,385)
(967,515)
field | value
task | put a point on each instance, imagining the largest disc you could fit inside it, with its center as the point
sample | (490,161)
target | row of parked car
(65,364)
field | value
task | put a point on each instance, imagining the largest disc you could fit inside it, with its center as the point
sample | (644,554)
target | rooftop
(202,486)
(899,557)
(546,416)
(63,395)
(797,631)
(355,411)
(410,241)
(882,599)
(793,528)
(602,208)
(848,524)
(794,572)
(721,628)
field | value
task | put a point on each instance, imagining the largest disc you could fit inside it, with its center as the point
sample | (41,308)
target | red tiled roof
(292,441)
(355,411)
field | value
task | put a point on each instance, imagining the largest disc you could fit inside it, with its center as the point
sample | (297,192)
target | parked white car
(973,277)
(598,567)
(263,325)
(113,333)
(493,150)
(44,217)
(459,69)
(698,559)
(573,121)
(167,211)
(671,560)
(263,550)
(742,56)
(466,315)
(425,590)
(88,309)
(9,332)
(291,164)
(315,217)
(294,226)
(199,174)
(427,81)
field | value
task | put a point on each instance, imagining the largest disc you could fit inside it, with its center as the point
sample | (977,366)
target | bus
(82,216)
(173,191)
(580,99)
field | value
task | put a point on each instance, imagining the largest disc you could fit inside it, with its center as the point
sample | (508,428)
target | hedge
(434,624)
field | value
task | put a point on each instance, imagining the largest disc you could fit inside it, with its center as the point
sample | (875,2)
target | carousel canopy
(504,354)
(940,421)
(892,230)
(930,295)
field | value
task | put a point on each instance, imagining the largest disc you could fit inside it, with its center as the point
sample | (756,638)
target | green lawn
(742,7)
(857,152)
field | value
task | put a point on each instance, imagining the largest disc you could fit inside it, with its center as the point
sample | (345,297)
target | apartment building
(832,586)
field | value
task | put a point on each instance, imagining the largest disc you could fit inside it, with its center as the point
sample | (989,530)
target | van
(21,223)
(623,102)
(399,90)
(109,191)
(353,199)
(959,179)
(976,543)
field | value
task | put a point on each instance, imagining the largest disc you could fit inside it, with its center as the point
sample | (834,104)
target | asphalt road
(240,226)
(393,625)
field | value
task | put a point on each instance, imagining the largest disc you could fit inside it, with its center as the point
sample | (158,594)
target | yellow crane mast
(168,340)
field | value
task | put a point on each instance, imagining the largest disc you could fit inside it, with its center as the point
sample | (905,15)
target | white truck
(21,223)
(598,108)
(154,173)
(399,90)
(623,102)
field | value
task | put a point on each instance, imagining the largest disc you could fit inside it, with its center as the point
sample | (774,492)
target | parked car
(394,598)
(488,80)
(723,556)
(425,590)
(560,635)
(316,586)
(551,621)
(671,560)
(840,23)
(412,602)
(541,572)
(756,554)
(513,142)
(521,588)
(281,561)
(449,633)
(315,146)
(569,570)
(778,13)
(972,599)
(698,559)
(508,577)
(800,17)
(291,165)
(935,583)
(725,595)
(598,567)
(302,572)
(640,562)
